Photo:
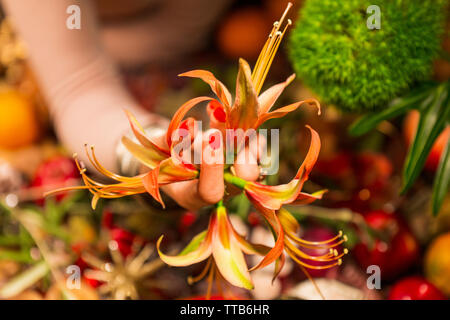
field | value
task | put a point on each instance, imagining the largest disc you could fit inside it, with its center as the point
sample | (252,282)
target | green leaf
(442,180)
(434,116)
(397,107)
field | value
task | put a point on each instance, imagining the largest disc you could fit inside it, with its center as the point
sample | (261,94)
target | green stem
(25,280)
(234,180)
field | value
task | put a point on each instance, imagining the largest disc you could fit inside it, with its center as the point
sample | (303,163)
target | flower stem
(234,180)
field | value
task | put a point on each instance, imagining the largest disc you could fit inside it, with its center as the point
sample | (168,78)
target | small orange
(18,122)
(243,33)
(437,263)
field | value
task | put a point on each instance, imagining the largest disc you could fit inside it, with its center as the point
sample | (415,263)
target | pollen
(269,50)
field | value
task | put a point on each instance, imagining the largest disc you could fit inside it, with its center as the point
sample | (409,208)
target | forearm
(85,94)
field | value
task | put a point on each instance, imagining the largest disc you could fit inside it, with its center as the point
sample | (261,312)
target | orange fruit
(437,263)
(18,122)
(409,130)
(243,33)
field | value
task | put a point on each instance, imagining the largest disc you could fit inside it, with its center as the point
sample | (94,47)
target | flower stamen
(269,50)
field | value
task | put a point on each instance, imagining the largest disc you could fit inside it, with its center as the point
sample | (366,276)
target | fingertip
(211,188)
(249,172)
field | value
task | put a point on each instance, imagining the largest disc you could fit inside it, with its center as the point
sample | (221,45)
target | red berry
(54,173)
(395,253)
(415,288)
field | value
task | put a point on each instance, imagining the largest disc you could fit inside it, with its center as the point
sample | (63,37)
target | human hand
(209,188)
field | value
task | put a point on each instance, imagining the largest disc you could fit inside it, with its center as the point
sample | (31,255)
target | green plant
(358,69)
(433,103)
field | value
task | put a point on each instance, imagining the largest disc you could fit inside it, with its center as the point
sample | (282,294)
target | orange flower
(250,109)
(226,247)
(269,201)
(165,166)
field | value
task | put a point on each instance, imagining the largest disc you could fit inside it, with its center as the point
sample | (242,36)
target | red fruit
(415,288)
(55,173)
(318,234)
(393,255)
(409,131)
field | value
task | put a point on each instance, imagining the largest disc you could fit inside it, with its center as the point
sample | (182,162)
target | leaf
(434,116)
(442,180)
(397,107)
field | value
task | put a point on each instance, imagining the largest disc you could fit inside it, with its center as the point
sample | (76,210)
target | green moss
(355,68)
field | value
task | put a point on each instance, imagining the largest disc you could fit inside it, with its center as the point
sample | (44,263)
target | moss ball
(358,68)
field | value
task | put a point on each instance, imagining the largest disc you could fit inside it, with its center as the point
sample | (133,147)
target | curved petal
(287,220)
(196,251)
(216,86)
(150,182)
(227,253)
(179,115)
(166,172)
(268,98)
(150,157)
(281,112)
(311,157)
(277,250)
(175,171)
(139,133)
(250,248)
(244,113)
(306,198)
(273,197)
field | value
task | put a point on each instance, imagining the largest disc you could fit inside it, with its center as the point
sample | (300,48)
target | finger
(185,193)
(246,165)
(211,187)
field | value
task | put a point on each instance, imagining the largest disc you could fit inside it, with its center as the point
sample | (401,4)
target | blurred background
(364,173)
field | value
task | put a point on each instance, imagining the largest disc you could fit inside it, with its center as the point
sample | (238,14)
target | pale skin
(207,190)
(76,70)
